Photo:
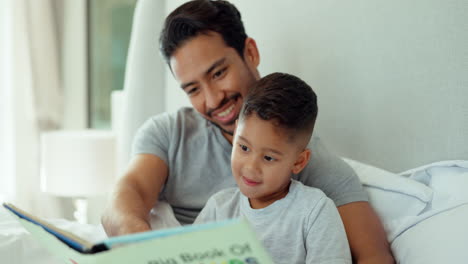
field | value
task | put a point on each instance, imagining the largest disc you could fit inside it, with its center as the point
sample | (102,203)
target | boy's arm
(134,196)
(365,233)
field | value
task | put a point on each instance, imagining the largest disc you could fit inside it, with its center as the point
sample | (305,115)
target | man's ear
(251,54)
(301,161)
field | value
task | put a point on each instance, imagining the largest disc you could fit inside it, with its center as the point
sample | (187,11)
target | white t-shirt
(303,227)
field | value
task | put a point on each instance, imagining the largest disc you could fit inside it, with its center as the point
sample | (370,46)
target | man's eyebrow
(215,64)
(211,68)
(264,149)
(185,85)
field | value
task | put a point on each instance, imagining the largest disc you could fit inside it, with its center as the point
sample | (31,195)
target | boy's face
(215,77)
(263,159)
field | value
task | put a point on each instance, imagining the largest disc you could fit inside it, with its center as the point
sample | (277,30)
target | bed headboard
(391,76)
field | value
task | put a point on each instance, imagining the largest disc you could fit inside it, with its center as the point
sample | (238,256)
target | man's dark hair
(284,99)
(200,17)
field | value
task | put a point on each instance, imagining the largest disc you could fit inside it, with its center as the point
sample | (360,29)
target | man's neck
(228,136)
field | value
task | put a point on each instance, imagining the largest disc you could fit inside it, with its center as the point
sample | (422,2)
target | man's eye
(219,73)
(192,90)
(244,147)
(268,158)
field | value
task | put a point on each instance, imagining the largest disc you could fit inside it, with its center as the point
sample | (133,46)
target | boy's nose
(251,168)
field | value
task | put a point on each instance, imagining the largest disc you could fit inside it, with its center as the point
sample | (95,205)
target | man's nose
(213,97)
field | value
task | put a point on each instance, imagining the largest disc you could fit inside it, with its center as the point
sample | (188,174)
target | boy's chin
(246,193)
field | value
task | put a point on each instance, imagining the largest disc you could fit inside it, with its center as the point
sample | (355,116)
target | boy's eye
(244,147)
(268,158)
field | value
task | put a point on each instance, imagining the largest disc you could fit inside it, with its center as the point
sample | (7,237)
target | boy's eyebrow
(211,68)
(264,149)
(273,150)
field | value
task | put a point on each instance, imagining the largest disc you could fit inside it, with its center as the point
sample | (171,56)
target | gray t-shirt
(303,227)
(199,161)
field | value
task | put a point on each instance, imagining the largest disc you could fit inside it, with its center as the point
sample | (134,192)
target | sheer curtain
(30,98)
(6,115)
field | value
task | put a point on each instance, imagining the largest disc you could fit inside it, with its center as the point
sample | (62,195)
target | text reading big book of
(227,242)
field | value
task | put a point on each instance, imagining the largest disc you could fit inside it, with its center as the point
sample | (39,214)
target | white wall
(391,76)
(175,96)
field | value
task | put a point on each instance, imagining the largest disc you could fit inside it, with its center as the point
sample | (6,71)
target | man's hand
(134,196)
(365,233)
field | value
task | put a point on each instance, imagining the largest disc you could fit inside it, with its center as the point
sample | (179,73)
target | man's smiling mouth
(227,111)
(226,114)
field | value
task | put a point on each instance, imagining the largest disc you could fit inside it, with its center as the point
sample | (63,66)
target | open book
(227,242)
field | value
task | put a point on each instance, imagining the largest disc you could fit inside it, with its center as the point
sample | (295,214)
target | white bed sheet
(18,247)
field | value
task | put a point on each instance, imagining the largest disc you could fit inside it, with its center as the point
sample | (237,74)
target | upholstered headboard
(391,76)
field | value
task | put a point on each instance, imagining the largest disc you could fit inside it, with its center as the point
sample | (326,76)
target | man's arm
(365,233)
(134,196)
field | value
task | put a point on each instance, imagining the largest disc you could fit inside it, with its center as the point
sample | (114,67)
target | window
(109,29)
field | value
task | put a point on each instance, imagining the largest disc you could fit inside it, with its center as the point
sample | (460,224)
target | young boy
(296,223)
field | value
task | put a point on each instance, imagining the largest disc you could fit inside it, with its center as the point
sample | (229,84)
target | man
(184,158)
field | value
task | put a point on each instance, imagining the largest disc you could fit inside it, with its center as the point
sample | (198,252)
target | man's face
(262,160)
(214,77)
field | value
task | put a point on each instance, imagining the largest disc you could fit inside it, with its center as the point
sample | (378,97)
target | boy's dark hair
(199,17)
(284,99)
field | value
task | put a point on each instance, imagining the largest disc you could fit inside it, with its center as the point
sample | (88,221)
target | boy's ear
(301,161)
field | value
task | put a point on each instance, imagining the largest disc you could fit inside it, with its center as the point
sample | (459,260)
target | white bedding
(18,247)
(424,211)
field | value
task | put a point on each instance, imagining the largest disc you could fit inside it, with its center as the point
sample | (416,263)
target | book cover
(227,242)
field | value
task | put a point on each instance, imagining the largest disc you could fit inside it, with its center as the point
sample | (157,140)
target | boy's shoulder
(307,195)
(301,188)
(226,203)
(226,196)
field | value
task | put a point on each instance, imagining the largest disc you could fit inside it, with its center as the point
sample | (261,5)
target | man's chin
(226,128)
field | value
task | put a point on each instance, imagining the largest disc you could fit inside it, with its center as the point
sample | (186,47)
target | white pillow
(448,180)
(392,196)
(442,238)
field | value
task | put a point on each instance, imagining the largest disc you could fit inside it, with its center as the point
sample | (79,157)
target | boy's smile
(263,159)
(250,182)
